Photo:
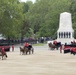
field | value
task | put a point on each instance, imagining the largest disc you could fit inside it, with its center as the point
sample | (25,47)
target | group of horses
(26,50)
(23,51)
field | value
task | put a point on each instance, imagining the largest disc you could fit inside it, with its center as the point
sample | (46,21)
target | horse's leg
(32,50)
(57,48)
(23,53)
(6,55)
(26,52)
(2,56)
(29,52)
(20,52)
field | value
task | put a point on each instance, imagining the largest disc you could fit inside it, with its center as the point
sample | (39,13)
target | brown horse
(3,54)
(25,50)
(22,51)
(51,46)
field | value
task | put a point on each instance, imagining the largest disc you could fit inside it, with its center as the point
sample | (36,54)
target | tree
(17,18)
(44,16)
(73,11)
(11,17)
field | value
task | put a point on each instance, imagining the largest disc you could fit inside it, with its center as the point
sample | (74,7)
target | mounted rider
(27,45)
(54,42)
(3,51)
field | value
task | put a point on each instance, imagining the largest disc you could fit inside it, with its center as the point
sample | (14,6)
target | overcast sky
(28,0)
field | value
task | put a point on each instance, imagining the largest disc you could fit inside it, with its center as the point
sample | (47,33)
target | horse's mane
(21,48)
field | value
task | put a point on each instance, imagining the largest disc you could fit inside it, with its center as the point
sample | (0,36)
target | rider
(27,45)
(55,42)
(12,47)
(3,51)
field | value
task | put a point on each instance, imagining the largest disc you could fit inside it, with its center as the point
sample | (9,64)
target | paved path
(42,62)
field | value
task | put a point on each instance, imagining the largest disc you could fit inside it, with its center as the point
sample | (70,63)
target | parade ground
(42,62)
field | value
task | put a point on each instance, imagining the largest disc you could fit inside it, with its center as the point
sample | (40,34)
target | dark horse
(3,54)
(26,50)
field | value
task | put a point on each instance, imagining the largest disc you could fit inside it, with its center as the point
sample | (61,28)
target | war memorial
(65,33)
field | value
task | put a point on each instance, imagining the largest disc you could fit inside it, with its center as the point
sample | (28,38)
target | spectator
(12,47)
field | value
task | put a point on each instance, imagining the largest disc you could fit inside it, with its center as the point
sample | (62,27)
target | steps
(65,40)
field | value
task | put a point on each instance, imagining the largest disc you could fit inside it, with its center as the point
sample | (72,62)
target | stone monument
(65,33)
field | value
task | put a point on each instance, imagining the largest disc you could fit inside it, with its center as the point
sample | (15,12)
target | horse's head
(50,44)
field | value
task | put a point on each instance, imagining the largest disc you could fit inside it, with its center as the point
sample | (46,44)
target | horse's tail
(32,49)
(6,55)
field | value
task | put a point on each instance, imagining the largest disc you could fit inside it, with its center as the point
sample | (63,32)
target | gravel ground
(42,62)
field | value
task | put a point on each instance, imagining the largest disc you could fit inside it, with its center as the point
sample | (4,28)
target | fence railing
(10,42)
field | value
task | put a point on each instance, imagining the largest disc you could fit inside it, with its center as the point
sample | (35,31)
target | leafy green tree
(44,16)
(73,11)
(11,18)
(41,18)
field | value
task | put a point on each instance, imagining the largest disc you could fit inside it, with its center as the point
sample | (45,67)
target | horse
(22,50)
(51,46)
(3,54)
(26,50)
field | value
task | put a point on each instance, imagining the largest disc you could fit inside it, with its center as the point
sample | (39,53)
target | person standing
(12,47)
(61,48)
